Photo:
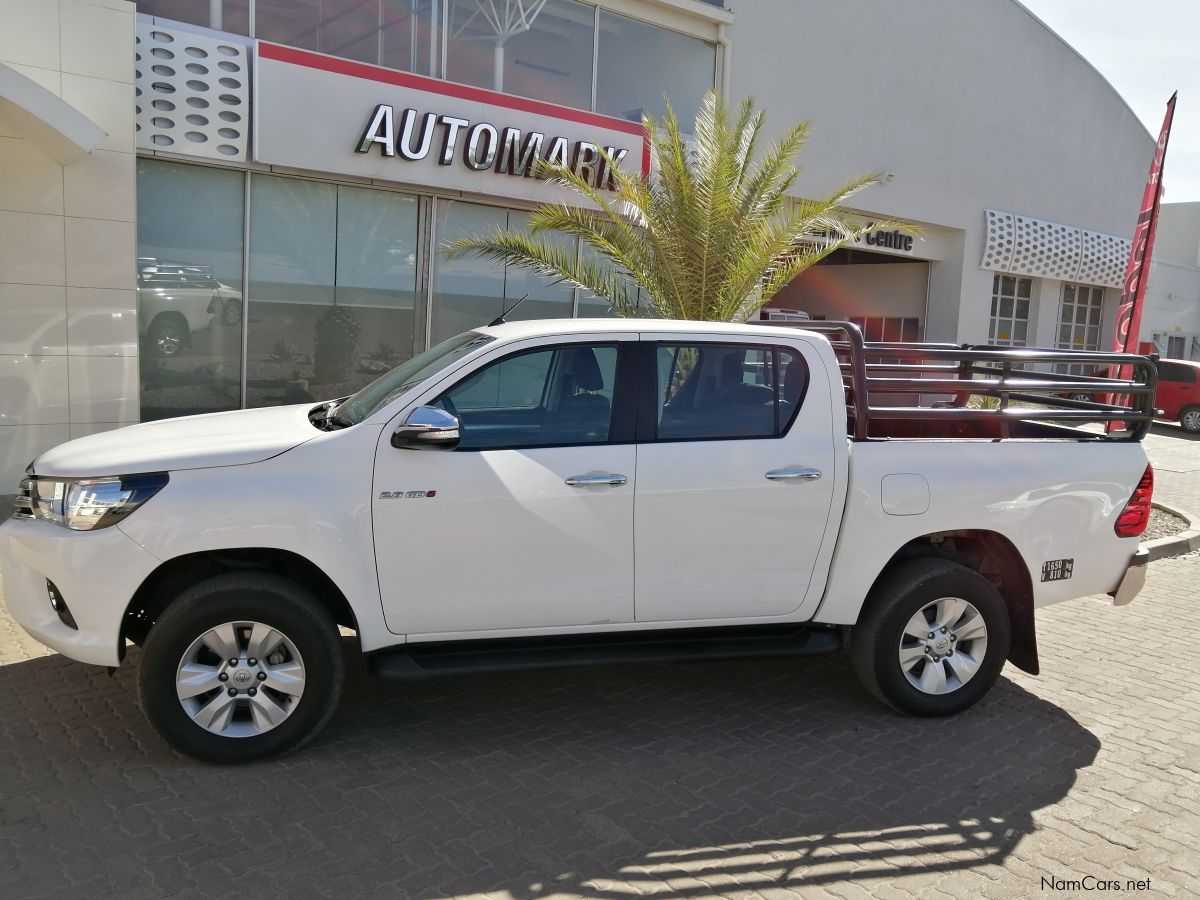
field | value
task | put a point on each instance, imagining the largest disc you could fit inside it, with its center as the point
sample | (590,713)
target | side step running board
(425,660)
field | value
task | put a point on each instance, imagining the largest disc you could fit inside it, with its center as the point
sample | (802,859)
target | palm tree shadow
(675,780)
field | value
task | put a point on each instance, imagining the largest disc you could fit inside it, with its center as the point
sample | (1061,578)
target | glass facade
(336,291)
(260,289)
(568,52)
(189,286)
(641,64)
(547,58)
(332,288)
(470,292)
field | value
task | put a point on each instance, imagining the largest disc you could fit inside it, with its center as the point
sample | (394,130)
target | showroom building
(211,204)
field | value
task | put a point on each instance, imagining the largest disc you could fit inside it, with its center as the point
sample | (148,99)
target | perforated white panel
(1105,257)
(1023,245)
(193,93)
(1001,236)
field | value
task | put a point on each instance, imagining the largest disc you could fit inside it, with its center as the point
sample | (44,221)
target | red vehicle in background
(1178,394)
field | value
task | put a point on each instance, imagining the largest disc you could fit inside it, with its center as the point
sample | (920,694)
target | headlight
(87,503)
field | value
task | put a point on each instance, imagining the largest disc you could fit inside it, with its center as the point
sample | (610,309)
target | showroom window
(333,276)
(331,302)
(472,291)
(189,288)
(1009,325)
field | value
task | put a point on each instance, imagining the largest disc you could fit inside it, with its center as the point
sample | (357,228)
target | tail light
(1136,515)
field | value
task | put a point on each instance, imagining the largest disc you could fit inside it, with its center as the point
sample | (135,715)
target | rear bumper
(1135,577)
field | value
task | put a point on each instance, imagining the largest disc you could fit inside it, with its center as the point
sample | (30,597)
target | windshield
(383,390)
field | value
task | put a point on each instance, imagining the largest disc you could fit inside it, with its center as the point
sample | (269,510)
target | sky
(1146,49)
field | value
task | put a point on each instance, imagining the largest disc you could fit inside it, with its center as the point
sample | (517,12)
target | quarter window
(727,391)
(547,397)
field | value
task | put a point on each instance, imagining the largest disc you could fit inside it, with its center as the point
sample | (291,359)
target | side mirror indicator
(427,428)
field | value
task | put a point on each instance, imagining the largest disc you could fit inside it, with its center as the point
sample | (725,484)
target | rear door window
(715,391)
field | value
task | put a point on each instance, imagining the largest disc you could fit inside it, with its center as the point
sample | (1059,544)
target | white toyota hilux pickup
(575,492)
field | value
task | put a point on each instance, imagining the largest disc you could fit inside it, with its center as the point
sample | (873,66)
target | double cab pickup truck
(578,492)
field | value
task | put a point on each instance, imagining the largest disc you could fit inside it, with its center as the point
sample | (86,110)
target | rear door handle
(794,473)
(597,478)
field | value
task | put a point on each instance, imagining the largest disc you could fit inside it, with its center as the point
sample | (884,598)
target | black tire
(1189,419)
(897,596)
(168,336)
(1081,397)
(231,313)
(244,596)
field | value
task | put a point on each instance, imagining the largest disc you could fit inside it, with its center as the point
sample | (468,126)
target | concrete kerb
(1176,544)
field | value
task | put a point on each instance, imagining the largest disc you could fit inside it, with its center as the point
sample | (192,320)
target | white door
(529,522)
(735,489)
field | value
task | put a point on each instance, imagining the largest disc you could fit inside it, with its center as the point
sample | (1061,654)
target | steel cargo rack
(911,390)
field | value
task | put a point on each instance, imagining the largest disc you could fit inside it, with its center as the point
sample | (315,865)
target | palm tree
(712,234)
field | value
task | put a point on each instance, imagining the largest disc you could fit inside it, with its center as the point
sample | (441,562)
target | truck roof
(547,327)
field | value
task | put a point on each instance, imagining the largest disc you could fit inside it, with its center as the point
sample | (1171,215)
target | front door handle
(794,474)
(597,478)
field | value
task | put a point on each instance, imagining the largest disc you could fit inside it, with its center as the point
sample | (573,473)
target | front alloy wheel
(240,679)
(241,666)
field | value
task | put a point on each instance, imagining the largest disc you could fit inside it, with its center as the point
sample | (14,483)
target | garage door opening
(884,295)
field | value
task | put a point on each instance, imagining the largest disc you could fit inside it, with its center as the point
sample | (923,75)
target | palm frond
(712,233)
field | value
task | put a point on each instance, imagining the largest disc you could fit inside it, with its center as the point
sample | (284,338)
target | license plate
(1057,569)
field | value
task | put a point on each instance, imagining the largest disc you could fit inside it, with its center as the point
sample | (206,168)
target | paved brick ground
(761,780)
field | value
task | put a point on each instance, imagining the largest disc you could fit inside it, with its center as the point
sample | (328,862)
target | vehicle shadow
(676,780)
(1173,431)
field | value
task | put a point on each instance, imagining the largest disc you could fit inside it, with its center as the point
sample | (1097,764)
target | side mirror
(427,428)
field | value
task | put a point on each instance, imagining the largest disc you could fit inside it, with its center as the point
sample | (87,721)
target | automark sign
(333,115)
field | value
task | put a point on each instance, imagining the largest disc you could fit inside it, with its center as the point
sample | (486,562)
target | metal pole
(245,286)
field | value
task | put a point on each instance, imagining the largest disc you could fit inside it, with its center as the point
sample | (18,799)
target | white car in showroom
(578,492)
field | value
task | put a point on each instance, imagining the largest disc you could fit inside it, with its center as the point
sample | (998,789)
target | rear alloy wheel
(932,637)
(241,667)
(1083,397)
(231,313)
(1189,420)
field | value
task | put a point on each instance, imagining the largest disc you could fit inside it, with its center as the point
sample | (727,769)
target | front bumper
(1135,577)
(96,573)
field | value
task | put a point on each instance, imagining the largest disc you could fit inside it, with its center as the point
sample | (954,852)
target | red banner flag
(1137,272)
(1133,288)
